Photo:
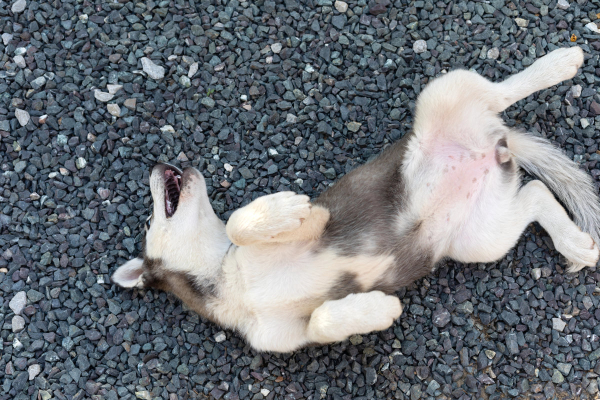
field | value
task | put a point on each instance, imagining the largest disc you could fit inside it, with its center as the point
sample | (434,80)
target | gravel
(267,96)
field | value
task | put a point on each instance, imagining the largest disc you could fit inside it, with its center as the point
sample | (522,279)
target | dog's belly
(462,188)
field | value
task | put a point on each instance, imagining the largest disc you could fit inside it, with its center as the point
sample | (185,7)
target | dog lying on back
(285,272)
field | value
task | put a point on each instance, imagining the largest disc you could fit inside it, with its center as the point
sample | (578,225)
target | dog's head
(183,235)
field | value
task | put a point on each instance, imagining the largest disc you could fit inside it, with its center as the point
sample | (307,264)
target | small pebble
(154,71)
(18,323)
(20,61)
(18,6)
(593,27)
(276,48)
(103,96)
(113,89)
(341,6)
(114,109)
(558,324)
(420,46)
(34,370)
(193,70)
(22,116)
(522,22)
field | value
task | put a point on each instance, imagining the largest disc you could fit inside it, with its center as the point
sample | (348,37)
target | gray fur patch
(344,285)
(364,209)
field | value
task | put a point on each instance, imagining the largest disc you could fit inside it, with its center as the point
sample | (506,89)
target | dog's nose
(161,167)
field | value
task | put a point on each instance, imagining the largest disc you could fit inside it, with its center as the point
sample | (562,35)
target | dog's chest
(297,276)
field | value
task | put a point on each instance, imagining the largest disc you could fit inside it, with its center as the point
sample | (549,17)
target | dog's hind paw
(580,250)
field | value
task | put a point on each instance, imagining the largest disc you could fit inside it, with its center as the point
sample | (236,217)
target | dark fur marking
(185,286)
(364,205)
(344,285)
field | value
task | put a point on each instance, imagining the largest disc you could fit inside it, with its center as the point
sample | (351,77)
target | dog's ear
(129,275)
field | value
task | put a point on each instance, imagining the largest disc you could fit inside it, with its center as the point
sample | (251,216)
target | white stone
(18,6)
(291,118)
(244,97)
(276,48)
(38,82)
(576,91)
(17,304)
(114,109)
(84,18)
(341,6)
(536,273)
(19,51)
(154,71)
(113,89)
(80,162)
(420,46)
(220,337)
(593,27)
(167,128)
(493,53)
(563,4)
(265,392)
(22,116)
(6,38)
(193,70)
(43,118)
(20,61)
(309,68)
(103,96)
(34,370)
(522,22)
(16,344)
(558,324)
(228,167)
(584,122)
(18,323)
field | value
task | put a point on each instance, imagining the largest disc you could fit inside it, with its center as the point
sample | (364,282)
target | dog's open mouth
(172,190)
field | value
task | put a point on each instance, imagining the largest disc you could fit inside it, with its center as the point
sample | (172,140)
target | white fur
(274,288)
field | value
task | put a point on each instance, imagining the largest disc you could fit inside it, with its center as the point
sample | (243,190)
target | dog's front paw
(288,210)
(385,311)
(567,61)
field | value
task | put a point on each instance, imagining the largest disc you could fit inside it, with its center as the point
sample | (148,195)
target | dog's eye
(148,222)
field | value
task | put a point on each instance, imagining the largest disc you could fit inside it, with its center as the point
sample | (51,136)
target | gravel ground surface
(266,96)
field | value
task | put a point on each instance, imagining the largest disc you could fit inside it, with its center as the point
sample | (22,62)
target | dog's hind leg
(487,236)
(279,217)
(553,68)
(357,313)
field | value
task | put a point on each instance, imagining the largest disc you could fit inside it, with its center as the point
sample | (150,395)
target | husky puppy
(285,272)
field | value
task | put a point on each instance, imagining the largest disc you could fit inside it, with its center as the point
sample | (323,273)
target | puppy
(285,272)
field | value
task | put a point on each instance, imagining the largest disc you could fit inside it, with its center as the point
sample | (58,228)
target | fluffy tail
(574,187)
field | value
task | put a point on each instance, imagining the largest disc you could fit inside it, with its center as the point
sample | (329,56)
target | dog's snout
(162,167)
